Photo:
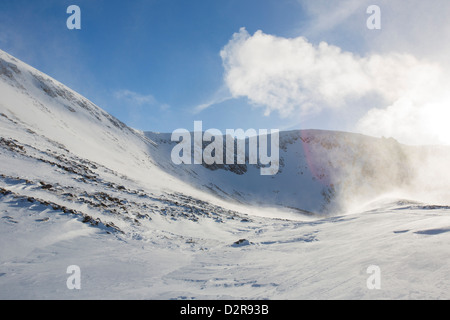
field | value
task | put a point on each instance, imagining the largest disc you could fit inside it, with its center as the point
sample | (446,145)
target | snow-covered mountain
(55,140)
(317,169)
(320,172)
(77,186)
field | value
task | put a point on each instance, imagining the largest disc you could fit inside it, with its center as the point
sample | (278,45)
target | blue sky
(154,64)
(165,49)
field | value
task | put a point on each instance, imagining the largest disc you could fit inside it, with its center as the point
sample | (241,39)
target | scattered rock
(241,243)
(5,192)
(46,186)
(87,219)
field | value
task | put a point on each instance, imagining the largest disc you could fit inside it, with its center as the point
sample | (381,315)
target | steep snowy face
(59,150)
(319,171)
(41,112)
(324,172)
(355,168)
(32,101)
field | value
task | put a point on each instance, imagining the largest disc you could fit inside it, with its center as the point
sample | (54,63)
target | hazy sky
(286,64)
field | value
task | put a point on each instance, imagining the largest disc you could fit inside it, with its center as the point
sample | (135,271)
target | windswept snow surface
(78,187)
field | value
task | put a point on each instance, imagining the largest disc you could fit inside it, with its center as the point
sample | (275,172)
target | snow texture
(79,187)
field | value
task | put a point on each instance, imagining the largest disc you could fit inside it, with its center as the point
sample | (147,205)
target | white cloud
(288,75)
(420,116)
(292,76)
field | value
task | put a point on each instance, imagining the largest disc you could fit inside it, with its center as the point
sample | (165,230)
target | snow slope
(321,172)
(78,187)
